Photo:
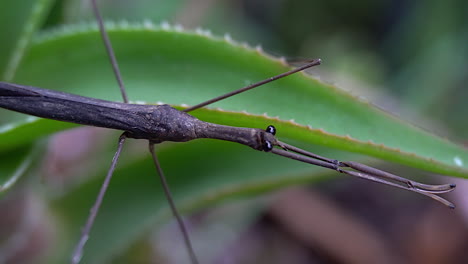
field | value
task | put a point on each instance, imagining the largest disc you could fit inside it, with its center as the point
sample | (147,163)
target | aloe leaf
(164,64)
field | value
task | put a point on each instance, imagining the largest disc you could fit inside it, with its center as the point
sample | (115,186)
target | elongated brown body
(157,123)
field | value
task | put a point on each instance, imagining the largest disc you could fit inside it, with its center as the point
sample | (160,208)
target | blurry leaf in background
(18,22)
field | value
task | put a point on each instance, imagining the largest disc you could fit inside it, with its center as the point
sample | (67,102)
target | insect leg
(175,212)
(365,172)
(78,252)
(249,87)
(110,51)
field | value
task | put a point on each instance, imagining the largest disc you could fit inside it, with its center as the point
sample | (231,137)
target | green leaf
(14,165)
(18,22)
(169,65)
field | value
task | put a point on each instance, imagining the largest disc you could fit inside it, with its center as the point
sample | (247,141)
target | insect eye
(267,147)
(271,129)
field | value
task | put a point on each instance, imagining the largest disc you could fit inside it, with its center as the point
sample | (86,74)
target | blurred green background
(407,57)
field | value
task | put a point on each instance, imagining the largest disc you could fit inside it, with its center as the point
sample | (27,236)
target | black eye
(271,129)
(268,146)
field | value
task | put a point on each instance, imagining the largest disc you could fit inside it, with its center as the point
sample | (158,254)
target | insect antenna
(78,252)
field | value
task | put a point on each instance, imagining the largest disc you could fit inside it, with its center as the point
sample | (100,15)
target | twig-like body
(163,123)
(157,123)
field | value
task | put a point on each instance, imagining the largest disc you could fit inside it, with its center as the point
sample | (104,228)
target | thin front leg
(311,63)
(109,50)
(168,194)
(78,252)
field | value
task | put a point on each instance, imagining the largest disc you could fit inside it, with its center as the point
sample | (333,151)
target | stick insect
(158,124)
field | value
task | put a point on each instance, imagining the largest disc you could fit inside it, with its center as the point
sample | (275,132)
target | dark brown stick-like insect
(164,123)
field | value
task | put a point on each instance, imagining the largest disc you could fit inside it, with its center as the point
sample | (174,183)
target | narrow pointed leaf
(163,64)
